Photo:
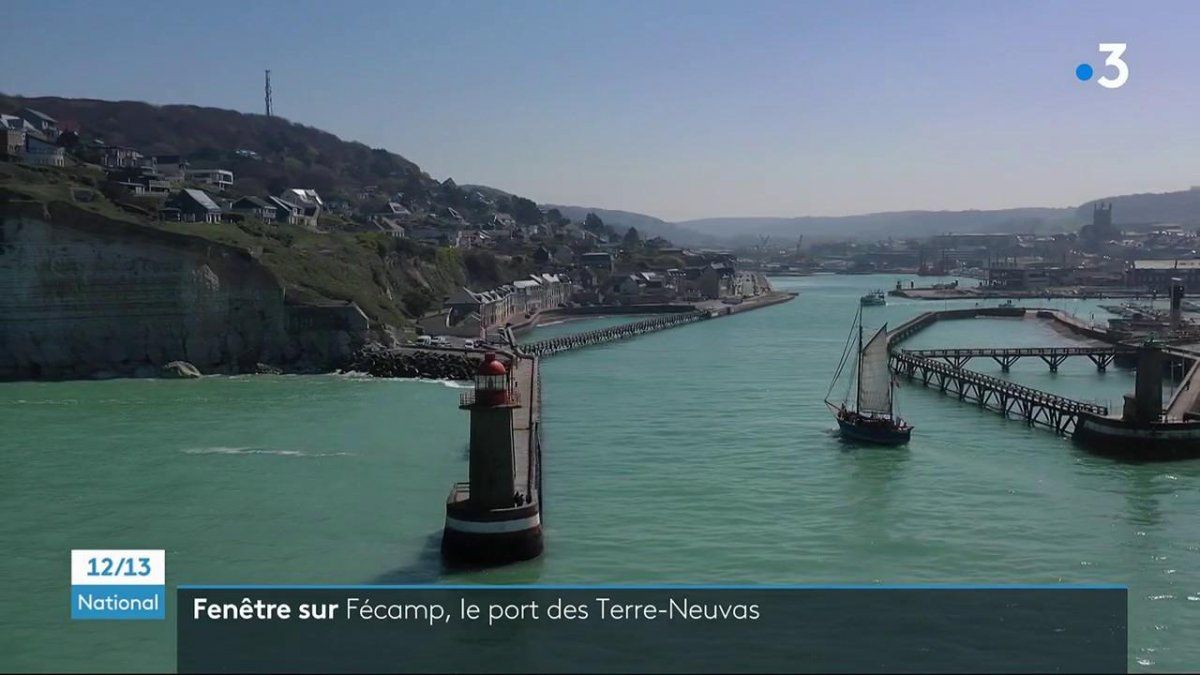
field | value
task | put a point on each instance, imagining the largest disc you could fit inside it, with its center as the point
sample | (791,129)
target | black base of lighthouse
(470,548)
(491,536)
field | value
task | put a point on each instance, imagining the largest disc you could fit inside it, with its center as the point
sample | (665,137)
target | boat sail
(873,417)
(874,376)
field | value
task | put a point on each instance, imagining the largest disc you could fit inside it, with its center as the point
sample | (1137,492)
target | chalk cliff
(84,295)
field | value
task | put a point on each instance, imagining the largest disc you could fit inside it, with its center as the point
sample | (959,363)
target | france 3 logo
(118,584)
(1115,51)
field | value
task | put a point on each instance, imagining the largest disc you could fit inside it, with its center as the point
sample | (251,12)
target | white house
(218,178)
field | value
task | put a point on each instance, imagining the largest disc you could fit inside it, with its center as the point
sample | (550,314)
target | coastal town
(532,263)
(1099,259)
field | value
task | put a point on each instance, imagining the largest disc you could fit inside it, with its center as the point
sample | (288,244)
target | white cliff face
(83,296)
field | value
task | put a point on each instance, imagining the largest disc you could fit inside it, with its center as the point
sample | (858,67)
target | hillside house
(597,261)
(285,211)
(195,206)
(395,209)
(120,157)
(256,207)
(172,168)
(310,204)
(146,185)
(711,282)
(43,124)
(43,153)
(472,239)
(390,226)
(216,178)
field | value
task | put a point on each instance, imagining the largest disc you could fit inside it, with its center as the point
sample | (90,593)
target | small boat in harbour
(872,419)
(872,299)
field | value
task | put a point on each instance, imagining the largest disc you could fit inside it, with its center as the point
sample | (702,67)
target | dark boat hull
(879,434)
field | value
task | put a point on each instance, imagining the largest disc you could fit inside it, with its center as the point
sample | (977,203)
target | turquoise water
(649,443)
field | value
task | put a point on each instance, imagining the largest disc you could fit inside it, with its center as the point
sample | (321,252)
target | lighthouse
(495,516)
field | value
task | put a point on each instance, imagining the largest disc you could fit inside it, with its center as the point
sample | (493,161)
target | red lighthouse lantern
(491,382)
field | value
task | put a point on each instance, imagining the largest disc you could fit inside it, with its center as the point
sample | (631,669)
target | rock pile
(379,361)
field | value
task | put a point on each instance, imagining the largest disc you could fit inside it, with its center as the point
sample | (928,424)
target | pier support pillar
(958,361)
(1146,403)
(1006,362)
(1054,361)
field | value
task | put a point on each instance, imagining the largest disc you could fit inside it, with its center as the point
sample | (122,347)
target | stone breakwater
(380,361)
(613,333)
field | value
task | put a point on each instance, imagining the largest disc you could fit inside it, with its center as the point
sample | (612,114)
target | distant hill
(647,226)
(1150,207)
(891,224)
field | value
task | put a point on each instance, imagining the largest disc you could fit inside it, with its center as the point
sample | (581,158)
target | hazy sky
(676,109)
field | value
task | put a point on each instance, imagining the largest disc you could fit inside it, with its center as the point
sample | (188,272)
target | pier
(1007,398)
(944,369)
(611,334)
(1101,355)
(699,312)
(1145,429)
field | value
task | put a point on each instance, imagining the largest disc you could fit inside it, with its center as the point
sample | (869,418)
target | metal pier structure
(1101,355)
(1007,398)
(944,370)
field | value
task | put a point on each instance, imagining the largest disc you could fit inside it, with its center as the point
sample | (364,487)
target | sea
(699,454)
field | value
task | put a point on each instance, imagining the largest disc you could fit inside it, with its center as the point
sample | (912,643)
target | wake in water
(367,377)
(222,450)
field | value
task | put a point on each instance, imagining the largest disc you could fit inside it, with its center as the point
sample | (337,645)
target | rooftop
(1166,264)
(203,199)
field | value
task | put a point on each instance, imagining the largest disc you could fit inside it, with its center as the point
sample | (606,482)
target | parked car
(423,341)
(469,344)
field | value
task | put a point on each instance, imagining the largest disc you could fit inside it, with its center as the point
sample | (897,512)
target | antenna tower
(268,93)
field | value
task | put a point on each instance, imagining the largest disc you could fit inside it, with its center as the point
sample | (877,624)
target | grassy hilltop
(393,280)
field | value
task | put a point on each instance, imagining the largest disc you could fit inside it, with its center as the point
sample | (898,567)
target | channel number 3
(1114,51)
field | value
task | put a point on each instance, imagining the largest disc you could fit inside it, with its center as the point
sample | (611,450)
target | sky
(679,110)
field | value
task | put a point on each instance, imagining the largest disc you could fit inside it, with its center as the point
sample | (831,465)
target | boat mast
(859,369)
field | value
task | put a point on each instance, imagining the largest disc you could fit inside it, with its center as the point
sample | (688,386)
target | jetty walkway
(944,369)
(1101,355)
(564,343)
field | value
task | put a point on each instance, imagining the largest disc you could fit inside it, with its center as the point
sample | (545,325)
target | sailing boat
(872,419)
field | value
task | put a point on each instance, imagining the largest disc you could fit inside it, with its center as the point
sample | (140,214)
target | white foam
(224,450)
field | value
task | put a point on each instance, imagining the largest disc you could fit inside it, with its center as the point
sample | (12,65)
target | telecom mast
(268,93)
